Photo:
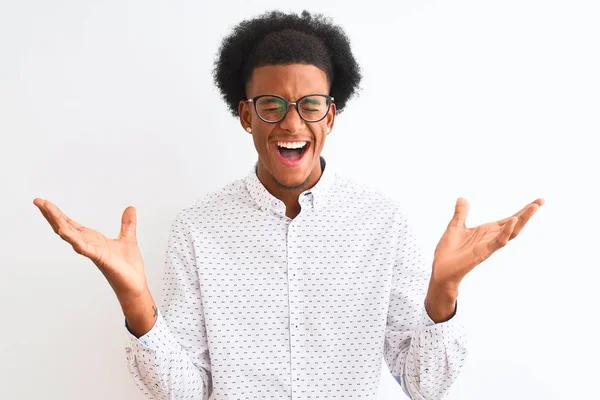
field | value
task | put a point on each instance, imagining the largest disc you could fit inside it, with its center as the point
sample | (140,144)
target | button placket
(296,323)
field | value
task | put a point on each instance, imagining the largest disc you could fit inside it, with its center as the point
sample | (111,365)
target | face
(287,168)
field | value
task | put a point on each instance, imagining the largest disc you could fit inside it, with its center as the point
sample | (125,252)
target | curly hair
(276,38)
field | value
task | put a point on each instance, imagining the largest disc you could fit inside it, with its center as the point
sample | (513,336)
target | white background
(109,104)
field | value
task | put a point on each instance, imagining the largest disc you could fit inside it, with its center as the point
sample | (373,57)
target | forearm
(140,313)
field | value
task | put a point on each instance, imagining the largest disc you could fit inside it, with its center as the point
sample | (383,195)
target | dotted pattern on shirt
(259,306)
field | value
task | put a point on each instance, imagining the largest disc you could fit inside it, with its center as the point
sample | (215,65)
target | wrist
(131,302)
(140,313)
(440,302)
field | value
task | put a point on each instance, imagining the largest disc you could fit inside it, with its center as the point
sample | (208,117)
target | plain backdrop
(106,104)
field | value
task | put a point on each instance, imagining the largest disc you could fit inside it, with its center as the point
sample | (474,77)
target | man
(293,282)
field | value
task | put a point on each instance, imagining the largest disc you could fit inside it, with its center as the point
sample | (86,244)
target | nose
(292,121)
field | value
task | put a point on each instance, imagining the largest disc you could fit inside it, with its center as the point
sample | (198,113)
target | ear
(245,113)
(331,117)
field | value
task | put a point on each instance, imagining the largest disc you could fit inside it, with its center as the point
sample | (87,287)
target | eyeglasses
(272,108)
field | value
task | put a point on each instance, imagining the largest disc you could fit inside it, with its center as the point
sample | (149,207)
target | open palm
(461,249)
(118,259)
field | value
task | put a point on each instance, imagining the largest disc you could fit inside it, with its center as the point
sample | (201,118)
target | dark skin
(291,82)
(458,252)
(460,249)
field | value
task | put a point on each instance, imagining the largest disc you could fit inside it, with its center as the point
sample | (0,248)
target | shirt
(260,306)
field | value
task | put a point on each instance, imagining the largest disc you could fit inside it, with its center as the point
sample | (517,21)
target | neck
(288,195)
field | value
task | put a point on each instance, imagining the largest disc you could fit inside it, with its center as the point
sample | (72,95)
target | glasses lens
(271,108)
(313,108)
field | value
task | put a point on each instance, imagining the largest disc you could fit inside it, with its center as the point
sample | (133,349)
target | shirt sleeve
(172,361)
(424,357)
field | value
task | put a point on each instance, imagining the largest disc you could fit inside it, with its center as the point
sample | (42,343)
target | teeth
(291,145)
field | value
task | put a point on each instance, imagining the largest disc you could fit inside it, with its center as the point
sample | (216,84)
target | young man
(293,282)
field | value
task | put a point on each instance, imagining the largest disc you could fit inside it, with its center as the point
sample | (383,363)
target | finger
(71,236)
(461,210)
(504,236)
(60,217)
(64,230)
(67,233)
(56,215)
(66,219)
(128,223)
(524,218)
(50,220)
(539,202)
(39,203)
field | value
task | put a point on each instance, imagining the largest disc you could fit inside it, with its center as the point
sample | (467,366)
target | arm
(424,356)
(171,359)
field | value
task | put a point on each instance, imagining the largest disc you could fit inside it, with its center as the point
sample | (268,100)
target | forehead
(290,81)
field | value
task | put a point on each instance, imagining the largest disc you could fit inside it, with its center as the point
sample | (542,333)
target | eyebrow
(270,100)
(310,100)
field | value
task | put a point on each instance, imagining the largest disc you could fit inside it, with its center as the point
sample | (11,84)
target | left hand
(461,249)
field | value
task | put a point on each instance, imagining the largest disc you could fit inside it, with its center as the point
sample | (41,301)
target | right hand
(118,259)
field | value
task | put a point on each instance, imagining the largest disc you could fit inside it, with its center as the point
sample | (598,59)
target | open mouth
(291,153)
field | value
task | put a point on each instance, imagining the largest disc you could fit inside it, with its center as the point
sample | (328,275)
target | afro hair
(276,38)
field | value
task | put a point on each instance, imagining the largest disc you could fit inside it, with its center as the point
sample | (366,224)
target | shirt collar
(316,197)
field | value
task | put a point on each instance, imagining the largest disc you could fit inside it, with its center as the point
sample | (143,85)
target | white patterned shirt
(260,306)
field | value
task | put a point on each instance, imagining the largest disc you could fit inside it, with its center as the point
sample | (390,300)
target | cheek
(260,136)
(320,136)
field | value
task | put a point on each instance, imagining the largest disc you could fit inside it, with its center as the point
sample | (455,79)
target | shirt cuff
(159,337)
(448,333)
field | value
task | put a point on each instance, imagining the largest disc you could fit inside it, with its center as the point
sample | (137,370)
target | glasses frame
(329,99)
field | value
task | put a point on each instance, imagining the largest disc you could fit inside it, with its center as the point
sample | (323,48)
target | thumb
(461,211)
(128,223)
